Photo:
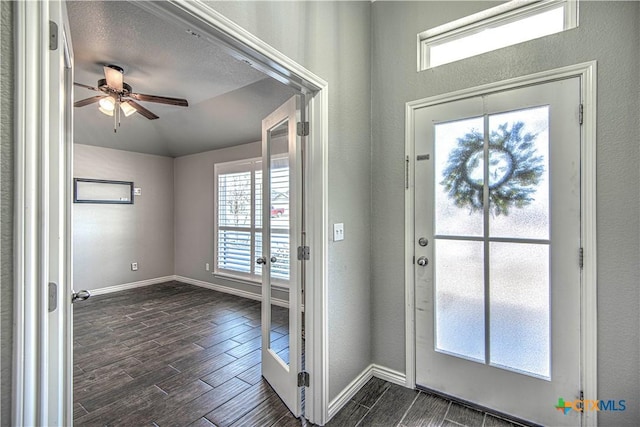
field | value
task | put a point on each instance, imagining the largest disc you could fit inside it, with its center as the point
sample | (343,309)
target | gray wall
(332,40)
(6,208)
(194,212)
(609,33)
(108,238)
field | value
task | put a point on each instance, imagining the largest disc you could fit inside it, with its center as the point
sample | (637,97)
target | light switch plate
(338,232)
(137,191)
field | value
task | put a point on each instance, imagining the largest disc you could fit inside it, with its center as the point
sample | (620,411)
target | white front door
(497,244)
(281,236)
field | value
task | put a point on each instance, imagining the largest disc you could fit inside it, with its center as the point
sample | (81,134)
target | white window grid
(249,228)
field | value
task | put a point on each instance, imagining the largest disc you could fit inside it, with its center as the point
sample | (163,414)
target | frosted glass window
(520,309)
(496,28)
(459,289)
(452,215)
(519,174)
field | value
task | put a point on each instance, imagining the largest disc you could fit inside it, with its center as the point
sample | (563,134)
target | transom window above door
(238,219)
(505,25)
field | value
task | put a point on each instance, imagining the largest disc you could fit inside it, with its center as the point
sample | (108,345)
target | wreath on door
(515,169)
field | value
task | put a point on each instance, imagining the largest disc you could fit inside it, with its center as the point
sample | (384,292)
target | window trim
(509,12)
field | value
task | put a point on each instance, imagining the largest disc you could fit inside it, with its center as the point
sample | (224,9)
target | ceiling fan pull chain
(115,118)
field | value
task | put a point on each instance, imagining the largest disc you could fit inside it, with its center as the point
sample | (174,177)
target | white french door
(497,244)
(281,236)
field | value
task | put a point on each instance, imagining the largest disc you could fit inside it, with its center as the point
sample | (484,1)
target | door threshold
(483,409)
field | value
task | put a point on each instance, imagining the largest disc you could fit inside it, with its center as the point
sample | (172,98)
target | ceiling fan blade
(160,99)
(114,77)
(88,101)
(87,86)
(148,114)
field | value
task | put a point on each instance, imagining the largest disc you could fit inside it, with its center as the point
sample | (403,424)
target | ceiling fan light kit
(108,104)
(127,108)
(119,97)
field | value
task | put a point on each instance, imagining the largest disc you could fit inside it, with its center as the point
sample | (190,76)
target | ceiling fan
(118,97)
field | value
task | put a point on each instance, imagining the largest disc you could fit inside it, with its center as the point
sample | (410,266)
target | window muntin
(506,25)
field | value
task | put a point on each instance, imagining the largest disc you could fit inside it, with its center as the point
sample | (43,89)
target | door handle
(423,261)
(273,259)
(261,260)
(80,296)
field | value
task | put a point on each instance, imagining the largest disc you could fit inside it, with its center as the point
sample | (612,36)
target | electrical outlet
(134,266)
(206,266)
(338,232)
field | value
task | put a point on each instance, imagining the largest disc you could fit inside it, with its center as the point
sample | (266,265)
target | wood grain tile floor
(174,355)
(179,355)
(380,403)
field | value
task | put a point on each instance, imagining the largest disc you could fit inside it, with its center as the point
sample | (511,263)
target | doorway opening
(208,24)
(270,245)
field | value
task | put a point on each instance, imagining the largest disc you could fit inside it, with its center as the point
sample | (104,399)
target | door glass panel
(459,279)
(519,173)
(279,245)
(520,315)
(458,177)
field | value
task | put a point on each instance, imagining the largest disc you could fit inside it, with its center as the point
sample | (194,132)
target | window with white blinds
(238,231)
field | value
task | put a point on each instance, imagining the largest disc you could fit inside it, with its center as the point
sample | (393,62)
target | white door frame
(588,334)
(32,118)
(41,393)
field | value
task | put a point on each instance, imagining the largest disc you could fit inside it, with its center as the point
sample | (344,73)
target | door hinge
(53,35)
(53,296)
(303,128)
(304,253)
(303,379)
(581,257)
(581,113)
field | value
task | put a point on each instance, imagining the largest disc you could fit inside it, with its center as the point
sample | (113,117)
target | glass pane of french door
(279,237)
(491,259)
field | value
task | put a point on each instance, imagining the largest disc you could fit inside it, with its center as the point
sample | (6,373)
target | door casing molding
(588,310)
(32,117)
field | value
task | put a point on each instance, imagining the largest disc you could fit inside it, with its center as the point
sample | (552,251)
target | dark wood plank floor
(380,403)
(179,355)
(174,355)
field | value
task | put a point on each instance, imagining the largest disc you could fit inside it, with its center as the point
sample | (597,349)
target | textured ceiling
(227,98)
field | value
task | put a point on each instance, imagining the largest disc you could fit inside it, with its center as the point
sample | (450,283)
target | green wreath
(515,170)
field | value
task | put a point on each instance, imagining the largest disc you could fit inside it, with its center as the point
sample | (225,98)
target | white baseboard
(220,288)
(228,290)
(349,391)
(390,375)
(354,386)
(125,286)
